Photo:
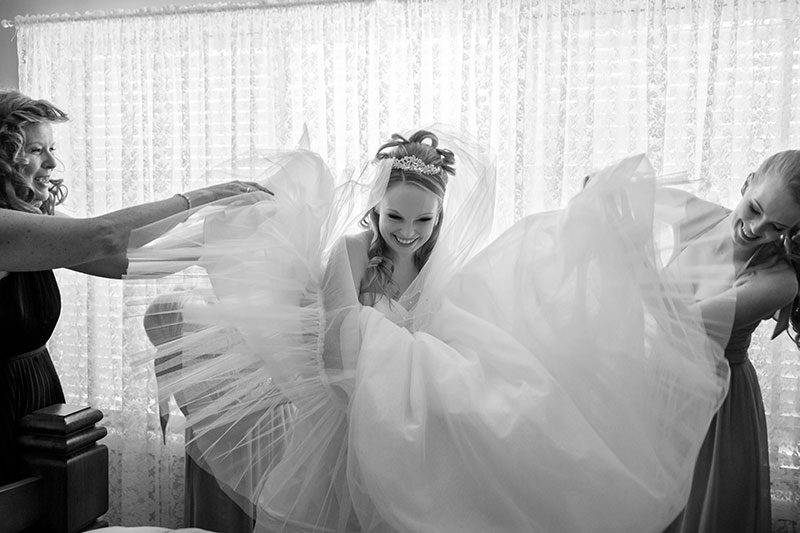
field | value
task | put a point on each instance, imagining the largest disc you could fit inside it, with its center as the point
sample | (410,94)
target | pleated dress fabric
(30,304)
(731,487)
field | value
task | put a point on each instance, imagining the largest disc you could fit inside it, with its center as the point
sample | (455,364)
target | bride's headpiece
(413,163)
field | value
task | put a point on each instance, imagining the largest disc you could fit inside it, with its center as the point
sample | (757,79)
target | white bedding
(150,529)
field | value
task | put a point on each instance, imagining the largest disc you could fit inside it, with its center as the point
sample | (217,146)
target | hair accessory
(415,164)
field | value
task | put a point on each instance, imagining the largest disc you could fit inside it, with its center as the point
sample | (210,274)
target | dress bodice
(30,304)
(739,342)
(393,310)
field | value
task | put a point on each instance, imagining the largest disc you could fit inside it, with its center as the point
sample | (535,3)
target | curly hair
(16,112)
(377,280)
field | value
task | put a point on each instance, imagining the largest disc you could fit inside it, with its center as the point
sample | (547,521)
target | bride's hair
(430,170)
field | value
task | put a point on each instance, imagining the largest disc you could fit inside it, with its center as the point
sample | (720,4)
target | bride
(555,379)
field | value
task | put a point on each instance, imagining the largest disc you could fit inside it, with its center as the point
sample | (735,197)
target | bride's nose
(407,231)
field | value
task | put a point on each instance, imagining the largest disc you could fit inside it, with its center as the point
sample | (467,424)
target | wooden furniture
(68,490)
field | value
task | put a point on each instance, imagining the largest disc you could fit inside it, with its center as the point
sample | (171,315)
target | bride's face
(406,218)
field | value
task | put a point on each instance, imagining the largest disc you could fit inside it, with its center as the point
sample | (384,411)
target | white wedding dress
(552,380)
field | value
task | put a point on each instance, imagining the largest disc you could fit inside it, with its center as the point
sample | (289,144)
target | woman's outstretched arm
(30,242)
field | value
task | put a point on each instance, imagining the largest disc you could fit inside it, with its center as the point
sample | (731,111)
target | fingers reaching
(251,186)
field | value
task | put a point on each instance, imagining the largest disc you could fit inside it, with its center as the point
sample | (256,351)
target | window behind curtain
(556,89)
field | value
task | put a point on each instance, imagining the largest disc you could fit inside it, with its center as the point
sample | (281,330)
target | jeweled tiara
(413,163)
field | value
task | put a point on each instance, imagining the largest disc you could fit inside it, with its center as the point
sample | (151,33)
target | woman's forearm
(39,242)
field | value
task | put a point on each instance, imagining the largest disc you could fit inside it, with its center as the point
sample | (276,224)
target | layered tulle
(563,386)
(556,379)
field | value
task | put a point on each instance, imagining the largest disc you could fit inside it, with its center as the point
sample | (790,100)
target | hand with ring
(213,193)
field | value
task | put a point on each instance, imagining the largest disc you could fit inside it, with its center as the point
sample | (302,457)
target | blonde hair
(785,166)
(16,112)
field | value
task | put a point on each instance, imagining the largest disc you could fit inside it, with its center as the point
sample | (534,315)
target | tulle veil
(285,378)
(259,273)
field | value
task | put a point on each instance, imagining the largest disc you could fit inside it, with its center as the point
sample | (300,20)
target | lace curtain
(554,88)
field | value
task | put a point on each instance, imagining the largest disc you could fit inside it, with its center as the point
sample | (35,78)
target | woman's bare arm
(752,299)
(38,242)
(357,254)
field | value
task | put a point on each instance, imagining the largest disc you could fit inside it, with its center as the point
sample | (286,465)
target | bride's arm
(356,246)
(343,272)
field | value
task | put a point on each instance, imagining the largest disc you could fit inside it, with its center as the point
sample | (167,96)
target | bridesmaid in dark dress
(33,243)
(30,308)
(731,486)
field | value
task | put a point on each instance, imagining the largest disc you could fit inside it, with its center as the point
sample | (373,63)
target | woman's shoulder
(357,245)
(780,274)
(354,247)
(775,284)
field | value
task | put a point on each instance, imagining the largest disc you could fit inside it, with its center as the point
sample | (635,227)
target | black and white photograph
(400,266)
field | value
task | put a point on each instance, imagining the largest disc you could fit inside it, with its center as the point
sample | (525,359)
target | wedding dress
(555,379)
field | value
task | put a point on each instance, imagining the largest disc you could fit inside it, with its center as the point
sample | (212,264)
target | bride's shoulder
(357,245)
(354,248)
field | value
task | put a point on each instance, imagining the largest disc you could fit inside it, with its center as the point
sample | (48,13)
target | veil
(564,381)
(561,353)
(266,366)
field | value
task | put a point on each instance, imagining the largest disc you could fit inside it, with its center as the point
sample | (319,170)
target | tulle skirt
(560,381)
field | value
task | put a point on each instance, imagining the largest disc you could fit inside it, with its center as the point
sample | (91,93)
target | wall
(9,76)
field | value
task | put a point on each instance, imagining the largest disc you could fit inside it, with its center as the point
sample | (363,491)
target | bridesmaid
(731,486)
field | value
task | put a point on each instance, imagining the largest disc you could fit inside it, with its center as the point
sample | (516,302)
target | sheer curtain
(555,88)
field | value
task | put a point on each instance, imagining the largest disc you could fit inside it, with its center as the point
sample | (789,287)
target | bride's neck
(404,272)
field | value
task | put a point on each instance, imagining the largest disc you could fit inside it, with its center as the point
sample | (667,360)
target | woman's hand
(213,193)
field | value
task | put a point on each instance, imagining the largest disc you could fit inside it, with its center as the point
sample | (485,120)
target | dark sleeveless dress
(30,305)
(731,484)
(730,488)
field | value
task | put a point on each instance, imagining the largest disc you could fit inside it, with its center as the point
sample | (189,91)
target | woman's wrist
(183,197)
(197,197)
